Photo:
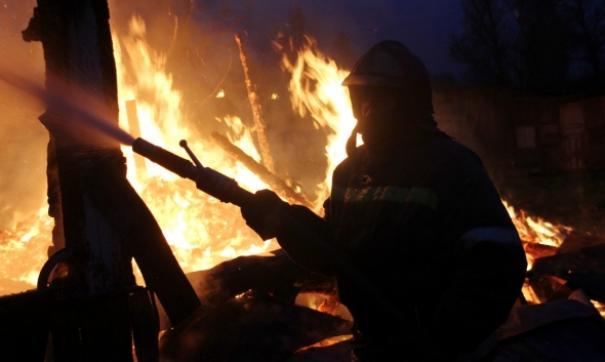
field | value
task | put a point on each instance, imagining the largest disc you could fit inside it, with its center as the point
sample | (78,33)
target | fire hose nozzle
(206,179)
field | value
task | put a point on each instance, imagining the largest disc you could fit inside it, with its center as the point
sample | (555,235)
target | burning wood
(259,125)
(253,299)
(270,178)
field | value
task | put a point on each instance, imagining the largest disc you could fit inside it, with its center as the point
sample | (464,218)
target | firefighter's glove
(266,214)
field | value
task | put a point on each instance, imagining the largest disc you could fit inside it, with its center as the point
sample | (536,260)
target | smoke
(23,138)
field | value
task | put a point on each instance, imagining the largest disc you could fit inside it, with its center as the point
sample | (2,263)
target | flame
(316,90)
(241,137)
(325,303)
(328,342)
(535,230)
(600,307)
(201,231)
(23,250)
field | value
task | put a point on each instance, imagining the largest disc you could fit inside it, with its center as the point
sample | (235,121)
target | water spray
(86,117)
(206,179)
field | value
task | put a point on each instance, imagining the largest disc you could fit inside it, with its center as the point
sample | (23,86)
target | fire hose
(227,190)
(207,179)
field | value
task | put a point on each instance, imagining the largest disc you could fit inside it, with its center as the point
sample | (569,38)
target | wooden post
(104,221)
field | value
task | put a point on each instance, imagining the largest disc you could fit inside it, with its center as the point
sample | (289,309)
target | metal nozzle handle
(195,160)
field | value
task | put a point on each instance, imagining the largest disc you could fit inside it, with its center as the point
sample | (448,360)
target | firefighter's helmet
(390,64)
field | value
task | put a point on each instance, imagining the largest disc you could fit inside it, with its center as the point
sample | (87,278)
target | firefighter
(426,257)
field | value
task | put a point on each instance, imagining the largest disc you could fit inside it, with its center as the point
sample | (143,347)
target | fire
(316,90)
(535,230)
(201,231)
(325,303)
(599,307)
(539,232)
(23,249)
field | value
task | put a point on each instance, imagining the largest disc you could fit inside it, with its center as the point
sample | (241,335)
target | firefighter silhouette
(425,255)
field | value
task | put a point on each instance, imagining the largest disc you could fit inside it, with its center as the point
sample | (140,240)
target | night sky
(425,26)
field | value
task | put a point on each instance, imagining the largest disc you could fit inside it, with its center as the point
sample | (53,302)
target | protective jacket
(426,256)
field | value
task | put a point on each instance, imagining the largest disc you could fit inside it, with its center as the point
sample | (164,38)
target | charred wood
(261,171)
(249,328)
(276,275)
(581,269)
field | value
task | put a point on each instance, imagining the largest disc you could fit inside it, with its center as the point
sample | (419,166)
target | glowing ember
(327,342)
(600,307)
(325,303)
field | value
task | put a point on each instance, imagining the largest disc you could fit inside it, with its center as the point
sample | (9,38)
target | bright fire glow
(23,250)
(325,303)
(534,230)
(200,230)
(316,90)
(600,307)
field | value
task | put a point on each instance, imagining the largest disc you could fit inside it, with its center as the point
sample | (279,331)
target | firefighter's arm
(488,277)
(301,233)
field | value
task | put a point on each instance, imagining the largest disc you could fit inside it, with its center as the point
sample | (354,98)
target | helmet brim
(373,81)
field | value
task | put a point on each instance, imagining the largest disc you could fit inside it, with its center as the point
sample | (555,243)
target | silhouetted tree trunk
(587,19)
(483,44)
(520,43)
(542,44)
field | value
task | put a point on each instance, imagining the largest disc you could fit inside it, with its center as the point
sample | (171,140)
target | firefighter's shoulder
(458,157)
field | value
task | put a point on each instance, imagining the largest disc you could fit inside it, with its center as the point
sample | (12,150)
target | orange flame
(201,231)
(23,250)
(536,231)
(599,307)
(316,90)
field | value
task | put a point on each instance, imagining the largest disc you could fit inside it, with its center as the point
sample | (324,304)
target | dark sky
(425,26)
